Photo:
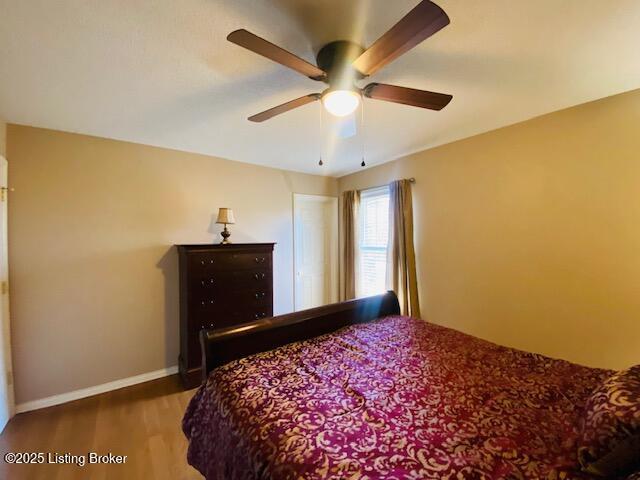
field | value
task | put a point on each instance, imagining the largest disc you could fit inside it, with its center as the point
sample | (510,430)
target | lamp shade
(225,215)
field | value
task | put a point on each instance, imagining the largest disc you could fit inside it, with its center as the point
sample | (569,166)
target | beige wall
(3,138)
(530,235)
(93,275)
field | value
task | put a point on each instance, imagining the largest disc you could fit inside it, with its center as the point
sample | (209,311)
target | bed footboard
(220,346)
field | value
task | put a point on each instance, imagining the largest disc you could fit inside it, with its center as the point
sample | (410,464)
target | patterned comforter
(398,398)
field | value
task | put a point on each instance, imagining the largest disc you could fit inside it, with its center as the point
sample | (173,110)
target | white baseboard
(90,391)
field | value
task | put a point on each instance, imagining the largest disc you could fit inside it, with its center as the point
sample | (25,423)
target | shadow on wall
(169,266)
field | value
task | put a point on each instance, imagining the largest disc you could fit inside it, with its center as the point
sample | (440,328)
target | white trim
(373,191)
(90,391)
(7,406)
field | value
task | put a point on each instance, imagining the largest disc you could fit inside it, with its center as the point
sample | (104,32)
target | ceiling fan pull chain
(362,126)
(320,136)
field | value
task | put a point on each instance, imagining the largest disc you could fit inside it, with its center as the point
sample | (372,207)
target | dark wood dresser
(220,286)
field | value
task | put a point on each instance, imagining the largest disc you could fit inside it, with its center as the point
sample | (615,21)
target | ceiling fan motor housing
(336,59)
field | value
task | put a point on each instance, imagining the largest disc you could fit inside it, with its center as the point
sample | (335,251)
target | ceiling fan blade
(285,107)
(273,52)
(417,25)
(407,96)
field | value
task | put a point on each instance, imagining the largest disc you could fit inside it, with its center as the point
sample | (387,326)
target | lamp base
(225,235)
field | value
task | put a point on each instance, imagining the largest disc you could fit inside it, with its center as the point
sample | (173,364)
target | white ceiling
(161,72)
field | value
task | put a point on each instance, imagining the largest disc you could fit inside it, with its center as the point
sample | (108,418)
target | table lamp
(225,216)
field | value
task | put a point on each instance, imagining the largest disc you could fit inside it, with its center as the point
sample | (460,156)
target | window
(373,238)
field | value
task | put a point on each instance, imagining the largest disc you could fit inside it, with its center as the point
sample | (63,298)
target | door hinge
(4,287)
(4,191)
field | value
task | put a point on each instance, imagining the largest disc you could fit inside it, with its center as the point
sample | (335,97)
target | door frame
(334,251)
(6,376)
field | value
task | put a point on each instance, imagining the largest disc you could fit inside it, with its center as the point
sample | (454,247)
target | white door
(315,226)
(6,375)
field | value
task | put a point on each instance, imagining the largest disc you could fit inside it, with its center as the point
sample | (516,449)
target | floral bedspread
(398,398)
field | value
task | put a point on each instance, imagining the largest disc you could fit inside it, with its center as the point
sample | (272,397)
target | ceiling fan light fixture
(342,63)
(340,102)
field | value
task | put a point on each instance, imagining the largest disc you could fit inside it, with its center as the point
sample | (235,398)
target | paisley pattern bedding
(611,425)
(398,398)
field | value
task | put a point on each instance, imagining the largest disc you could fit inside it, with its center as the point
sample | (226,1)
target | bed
(356,391)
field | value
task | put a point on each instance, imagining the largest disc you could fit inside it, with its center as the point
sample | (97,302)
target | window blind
(373,240)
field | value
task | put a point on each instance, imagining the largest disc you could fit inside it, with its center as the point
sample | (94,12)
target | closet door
(315,225)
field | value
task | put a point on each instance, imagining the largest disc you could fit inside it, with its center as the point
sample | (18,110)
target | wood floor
(141,422)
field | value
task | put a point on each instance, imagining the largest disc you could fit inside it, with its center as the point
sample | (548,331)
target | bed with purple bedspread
(397,398)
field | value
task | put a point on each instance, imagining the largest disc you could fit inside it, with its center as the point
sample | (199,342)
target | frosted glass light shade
(340,102)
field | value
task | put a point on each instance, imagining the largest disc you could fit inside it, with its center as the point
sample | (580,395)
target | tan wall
(93,275)
(3,138)
(530,235)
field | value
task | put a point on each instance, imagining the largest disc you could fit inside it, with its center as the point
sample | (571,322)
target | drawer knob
(261,294)
(260,259)
(204,302)
(259,276)
(206,282)
(204,262)
(260,315)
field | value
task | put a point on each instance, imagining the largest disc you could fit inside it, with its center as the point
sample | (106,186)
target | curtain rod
(411,180)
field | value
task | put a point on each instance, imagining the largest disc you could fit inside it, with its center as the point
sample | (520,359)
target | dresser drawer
(221,318)
(208,281)
(204,261)
(254,297)
(252,279)
(227,284)
(248,261)
(224,300)
(220,261)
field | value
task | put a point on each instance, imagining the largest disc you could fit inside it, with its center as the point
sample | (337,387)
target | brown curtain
(350,204)
(401,260)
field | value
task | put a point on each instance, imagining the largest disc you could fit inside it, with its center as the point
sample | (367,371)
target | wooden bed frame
(220,346)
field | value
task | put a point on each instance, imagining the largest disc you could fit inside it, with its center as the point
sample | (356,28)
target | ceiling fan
(342,63)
